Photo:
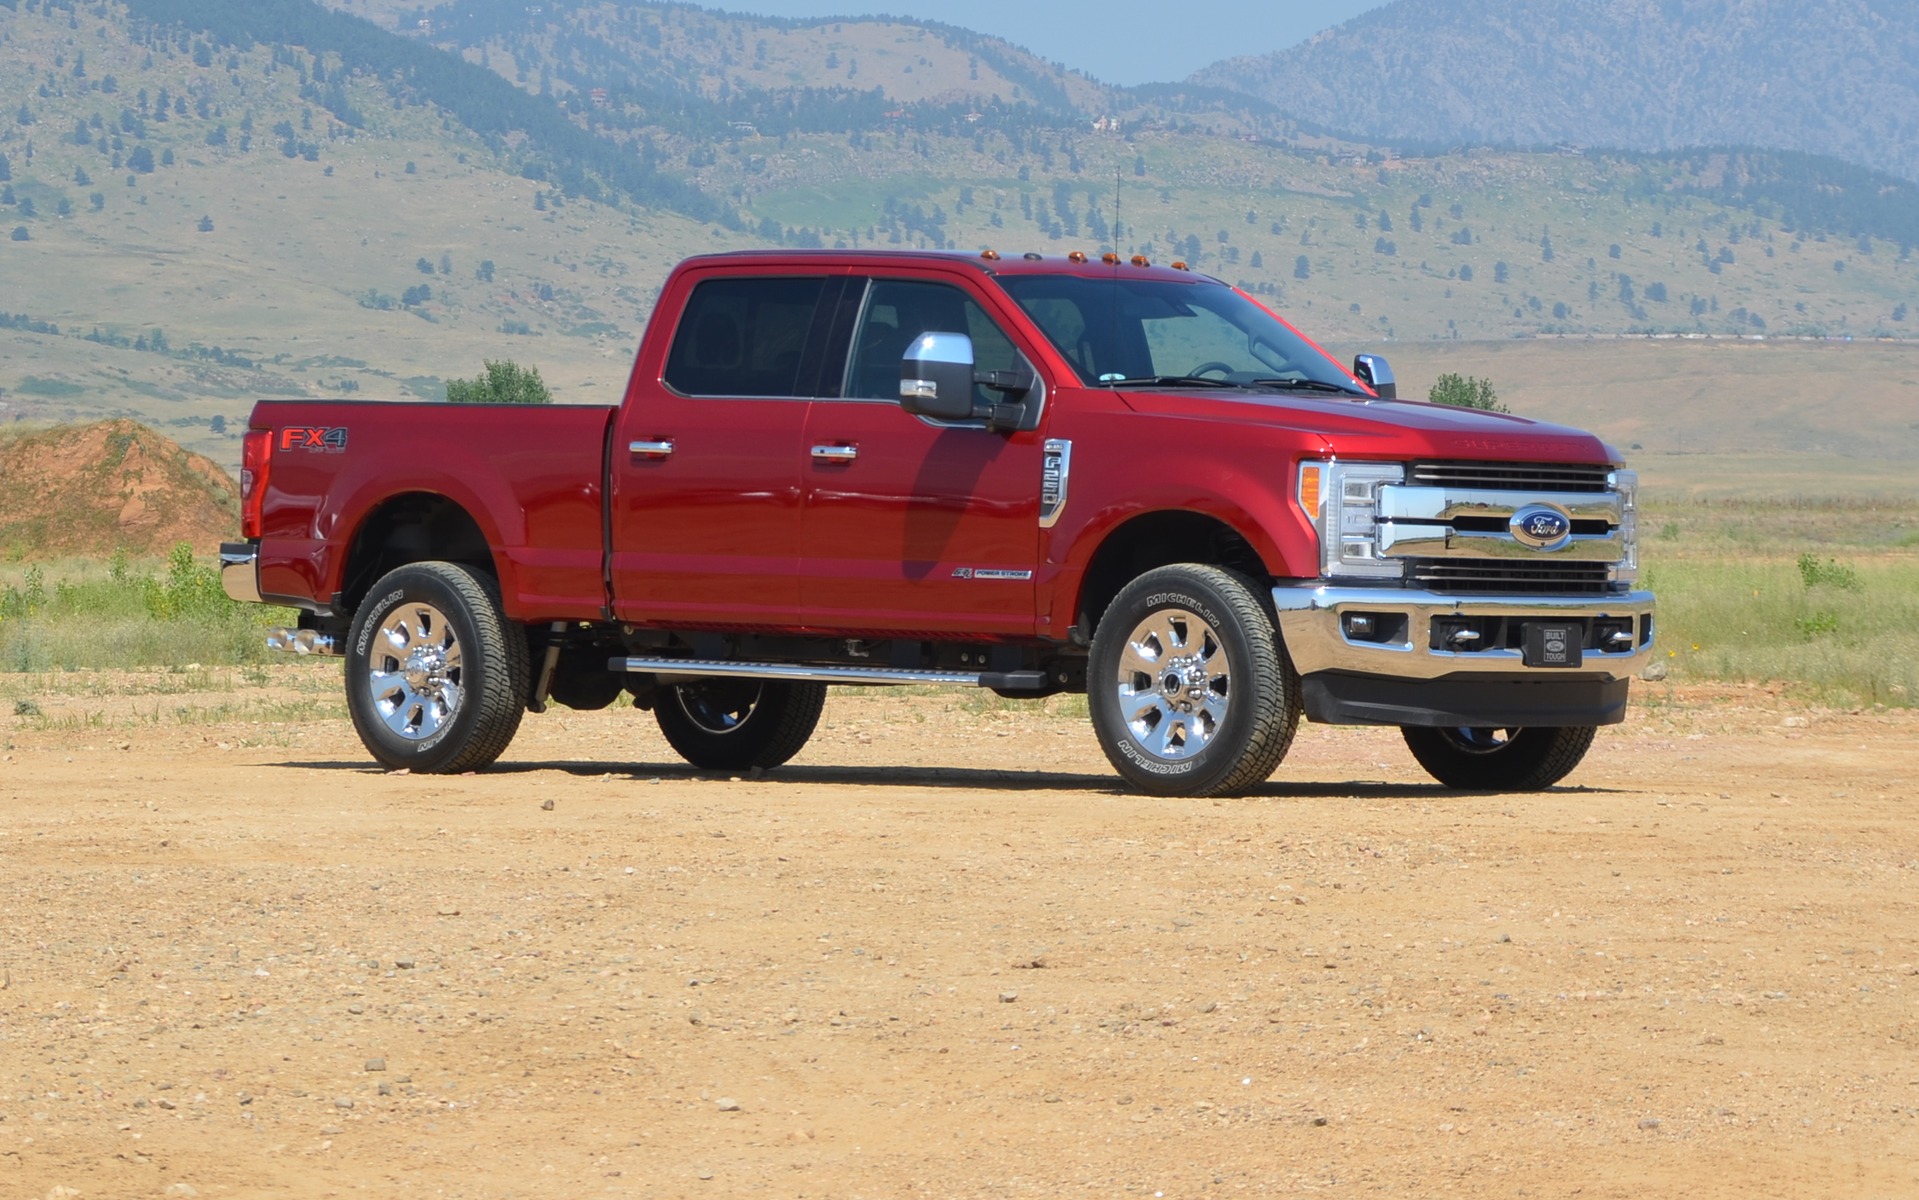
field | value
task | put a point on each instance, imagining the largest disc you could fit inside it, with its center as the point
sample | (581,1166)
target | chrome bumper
(239,571)
(1312,620)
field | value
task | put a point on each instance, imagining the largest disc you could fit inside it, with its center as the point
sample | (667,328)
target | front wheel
(436,677)
(737,724)
(1499,760)
(1190,690)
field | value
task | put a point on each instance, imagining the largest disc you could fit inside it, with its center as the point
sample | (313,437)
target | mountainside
(1832,77)
(87,489)
(211,202)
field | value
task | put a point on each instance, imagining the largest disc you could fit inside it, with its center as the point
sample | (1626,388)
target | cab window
(743,337)
(896,312)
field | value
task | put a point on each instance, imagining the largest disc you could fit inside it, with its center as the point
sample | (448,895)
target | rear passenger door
(705,465)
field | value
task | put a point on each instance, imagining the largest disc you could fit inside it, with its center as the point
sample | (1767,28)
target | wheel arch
(1157,539)
(408,528)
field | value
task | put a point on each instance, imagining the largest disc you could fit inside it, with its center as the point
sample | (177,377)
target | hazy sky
(1118,41)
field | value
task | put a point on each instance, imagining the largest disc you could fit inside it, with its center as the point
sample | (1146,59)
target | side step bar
(1010,681)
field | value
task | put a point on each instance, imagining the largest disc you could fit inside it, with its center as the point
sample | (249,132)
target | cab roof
(1086,264)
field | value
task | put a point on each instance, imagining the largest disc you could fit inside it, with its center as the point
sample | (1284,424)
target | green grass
(80,616)
(1820,595)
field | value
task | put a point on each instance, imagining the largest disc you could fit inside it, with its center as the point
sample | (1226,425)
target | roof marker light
(1110,259)
(1140,260)
(989,255)
(1177,265)
(1077,256)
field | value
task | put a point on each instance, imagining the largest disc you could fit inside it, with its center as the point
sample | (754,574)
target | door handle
(660,449)
(835,454)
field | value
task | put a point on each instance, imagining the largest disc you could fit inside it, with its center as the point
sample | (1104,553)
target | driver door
(910,525)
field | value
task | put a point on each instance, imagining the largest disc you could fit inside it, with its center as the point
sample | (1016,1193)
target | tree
(1465,391)
(206,225)
(20,234)
(503,382)
(141,160)
(484,273)
(1302,268)
(6,168)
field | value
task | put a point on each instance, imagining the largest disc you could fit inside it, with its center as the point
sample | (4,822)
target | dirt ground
(943,955)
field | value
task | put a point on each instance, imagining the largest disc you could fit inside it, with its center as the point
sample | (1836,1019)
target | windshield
(1120,331)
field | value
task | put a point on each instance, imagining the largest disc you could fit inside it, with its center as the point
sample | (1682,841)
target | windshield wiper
(1169,381)
(1307,385)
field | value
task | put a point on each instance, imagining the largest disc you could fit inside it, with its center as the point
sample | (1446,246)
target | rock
(727,1104)
(1008,997)
(1795,723)
(376,1064)
(1649,1123)
(546,805)
(405,964)
(1655,672)
(343,1102)
(182,1189)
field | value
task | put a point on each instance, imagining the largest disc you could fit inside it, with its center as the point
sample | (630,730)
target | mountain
(1828,77)
(204,203)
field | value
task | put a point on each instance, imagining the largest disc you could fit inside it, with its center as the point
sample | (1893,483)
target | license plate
(1553,645)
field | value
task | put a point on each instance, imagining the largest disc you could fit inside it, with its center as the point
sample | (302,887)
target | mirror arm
(1019,380)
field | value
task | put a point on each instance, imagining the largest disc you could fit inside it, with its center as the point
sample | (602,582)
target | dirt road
(942,955)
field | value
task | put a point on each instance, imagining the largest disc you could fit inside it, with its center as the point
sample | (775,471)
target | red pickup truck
(1031,474)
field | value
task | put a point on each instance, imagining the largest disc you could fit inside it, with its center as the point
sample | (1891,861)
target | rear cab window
(747,336)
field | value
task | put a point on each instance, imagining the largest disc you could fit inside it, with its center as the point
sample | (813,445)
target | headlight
(1626,483)
(1341,499)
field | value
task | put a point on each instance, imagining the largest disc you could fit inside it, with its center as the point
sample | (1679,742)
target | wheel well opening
(1158,540)
(408,529)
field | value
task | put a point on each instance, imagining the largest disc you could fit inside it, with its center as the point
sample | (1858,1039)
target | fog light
(1359,625)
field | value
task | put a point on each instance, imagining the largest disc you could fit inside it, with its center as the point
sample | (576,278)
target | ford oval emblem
(1542,527)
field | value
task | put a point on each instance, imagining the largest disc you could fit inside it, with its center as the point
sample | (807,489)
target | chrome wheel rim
(1479,740)
(415,674)
(1174,684)
(719,708)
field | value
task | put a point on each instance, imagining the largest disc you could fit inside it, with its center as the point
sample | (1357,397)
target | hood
(1384,429)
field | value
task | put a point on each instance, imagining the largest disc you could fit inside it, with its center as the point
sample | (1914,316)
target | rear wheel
(1499,760)
(1190,689)
(736,724)
(436,677)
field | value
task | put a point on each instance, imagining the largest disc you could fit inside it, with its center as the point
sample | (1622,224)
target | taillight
(256,451)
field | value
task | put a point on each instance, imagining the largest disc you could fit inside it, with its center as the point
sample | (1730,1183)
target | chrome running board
(671,669)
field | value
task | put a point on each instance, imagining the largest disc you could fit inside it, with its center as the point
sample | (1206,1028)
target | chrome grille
(1531,477)
(1510,577)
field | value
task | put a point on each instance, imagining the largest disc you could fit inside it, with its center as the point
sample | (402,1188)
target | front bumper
(1394,656)
(1313,618)
(240,571)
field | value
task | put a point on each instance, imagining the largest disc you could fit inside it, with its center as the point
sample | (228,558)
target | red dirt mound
(91,489)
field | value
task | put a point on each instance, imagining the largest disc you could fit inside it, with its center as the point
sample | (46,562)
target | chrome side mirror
(936,376)
(1374,371)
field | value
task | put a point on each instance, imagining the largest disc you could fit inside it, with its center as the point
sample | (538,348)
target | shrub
(1830,573)
(1466,391)
(503,382)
